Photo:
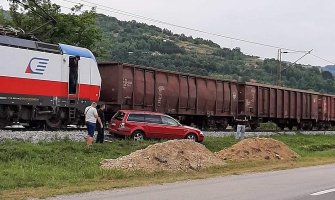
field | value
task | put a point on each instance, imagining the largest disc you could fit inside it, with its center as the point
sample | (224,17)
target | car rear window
(136,118)
(119,116)
(153,119)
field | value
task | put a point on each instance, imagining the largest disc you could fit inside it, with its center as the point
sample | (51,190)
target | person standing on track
(91,118)
(101,132)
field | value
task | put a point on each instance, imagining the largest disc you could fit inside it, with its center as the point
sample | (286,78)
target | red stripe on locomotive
(24,86)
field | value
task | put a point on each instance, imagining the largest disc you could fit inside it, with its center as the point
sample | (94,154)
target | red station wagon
(142,124)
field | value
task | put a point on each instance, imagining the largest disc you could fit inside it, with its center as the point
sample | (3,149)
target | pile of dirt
(171,155)
(258,149)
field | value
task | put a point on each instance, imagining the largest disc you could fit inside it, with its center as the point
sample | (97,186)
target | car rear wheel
(138,135)
(192,137)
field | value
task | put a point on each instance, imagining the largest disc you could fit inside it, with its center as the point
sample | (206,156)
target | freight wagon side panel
(193,93)
(324,107)
(172,93)
(187,95)
(127,87)
(161,91)
(234,99)
(293,105)
(273,103)
(219,98)
(211,97)
(228,98)
(250,101)
(299,106)
(332,105)
(286,104)
(202,96)
(279,104)
(184,95)
(111,79)
(149,92)
(260,107)
(265,101)
(138,93)
(242,100)
(314,106)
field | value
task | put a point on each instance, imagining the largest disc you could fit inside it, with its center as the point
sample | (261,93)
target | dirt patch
(258,149)
(171,155)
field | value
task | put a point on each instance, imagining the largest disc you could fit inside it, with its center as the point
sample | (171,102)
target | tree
(2,17)
(76,28)
(327,75)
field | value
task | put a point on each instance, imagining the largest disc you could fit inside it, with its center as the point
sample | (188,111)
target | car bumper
(201,138)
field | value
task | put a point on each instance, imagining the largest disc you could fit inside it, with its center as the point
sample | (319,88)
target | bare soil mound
(171,155)
(258,149)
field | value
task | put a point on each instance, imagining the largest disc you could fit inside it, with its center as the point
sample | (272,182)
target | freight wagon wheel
(290,127)
(253,127)
(53,123)
(192,137)
(35,124)
(2,123)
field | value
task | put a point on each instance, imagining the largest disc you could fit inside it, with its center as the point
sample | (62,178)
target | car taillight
(122,125)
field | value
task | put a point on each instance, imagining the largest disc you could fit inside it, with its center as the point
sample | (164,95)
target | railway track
(229,130)
(79,134)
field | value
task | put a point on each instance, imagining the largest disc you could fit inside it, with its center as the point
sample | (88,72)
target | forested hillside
(138,43)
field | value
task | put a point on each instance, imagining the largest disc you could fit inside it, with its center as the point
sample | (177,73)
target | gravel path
(79,136)
(46,136)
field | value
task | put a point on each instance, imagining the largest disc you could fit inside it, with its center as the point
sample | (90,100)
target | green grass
(310,146)
(49,164)
(46,169)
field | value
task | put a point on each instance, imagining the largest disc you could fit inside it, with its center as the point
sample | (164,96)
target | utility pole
(278,77)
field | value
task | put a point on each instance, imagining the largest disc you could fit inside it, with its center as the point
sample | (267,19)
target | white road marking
(323,192)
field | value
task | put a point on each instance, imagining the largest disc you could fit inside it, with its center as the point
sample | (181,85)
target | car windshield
(169,121)
(119,116)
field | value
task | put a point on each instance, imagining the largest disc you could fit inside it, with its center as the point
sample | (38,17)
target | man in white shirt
(91,117)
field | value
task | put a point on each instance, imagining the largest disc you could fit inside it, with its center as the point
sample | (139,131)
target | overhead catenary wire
(129,14)
(322,58)
(107,8)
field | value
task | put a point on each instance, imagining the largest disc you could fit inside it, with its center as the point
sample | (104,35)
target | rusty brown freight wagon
(286,107)
(202,101)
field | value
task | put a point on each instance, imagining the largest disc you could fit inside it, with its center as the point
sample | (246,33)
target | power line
(107,8)
(323,59)
(129,14)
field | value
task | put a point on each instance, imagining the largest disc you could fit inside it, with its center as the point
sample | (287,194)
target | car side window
(136,118)
(169,121)
(153,119)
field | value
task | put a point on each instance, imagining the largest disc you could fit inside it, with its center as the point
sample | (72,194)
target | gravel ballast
(79,135)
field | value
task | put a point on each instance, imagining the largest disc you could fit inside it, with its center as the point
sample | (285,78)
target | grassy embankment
(46,169)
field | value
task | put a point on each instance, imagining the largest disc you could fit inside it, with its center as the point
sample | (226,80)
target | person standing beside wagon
(91,118)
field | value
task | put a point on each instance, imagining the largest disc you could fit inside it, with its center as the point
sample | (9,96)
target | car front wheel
(192,137)
(138,135)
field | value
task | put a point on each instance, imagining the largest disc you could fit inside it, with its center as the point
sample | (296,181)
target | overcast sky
(293,24)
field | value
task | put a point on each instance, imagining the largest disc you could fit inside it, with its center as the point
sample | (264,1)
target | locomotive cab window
(73,74)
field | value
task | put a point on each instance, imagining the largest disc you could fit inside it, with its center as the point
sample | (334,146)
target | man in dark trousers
(100,129)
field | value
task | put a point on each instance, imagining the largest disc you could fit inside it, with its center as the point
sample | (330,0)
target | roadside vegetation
(46,169)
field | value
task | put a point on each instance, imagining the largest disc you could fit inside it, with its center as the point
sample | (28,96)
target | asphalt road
(312,183)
